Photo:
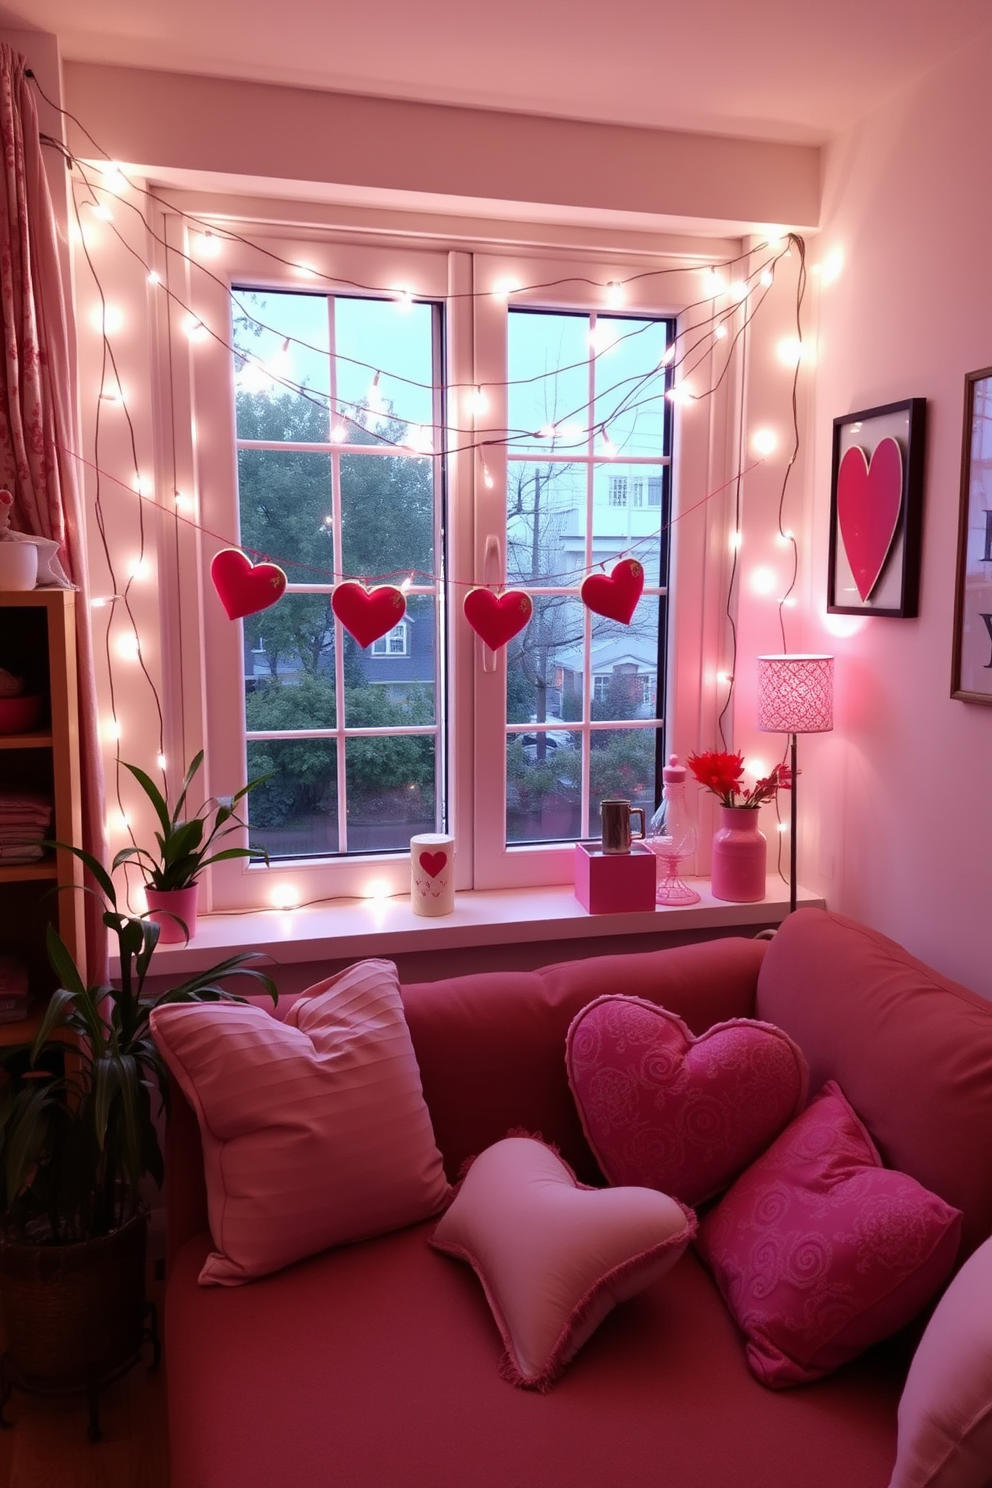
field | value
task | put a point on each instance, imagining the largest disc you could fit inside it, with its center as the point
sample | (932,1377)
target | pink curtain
(37,423)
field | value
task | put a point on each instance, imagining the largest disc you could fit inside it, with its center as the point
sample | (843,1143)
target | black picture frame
(971,662)
(872,570)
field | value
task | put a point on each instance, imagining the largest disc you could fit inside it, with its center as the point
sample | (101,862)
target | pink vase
(738,866)
(167,907)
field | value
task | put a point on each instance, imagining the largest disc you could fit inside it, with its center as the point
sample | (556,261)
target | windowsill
(350,928)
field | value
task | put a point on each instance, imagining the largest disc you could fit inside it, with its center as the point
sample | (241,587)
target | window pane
(627,515)
(295,814)
(625,663)
(384,365)
(542,787)
(630,383)
(286,644)
(545,522)
(621,763)
(285,499)
(549,377)
(390,782)
(387,517)
(390,690)
(544,661)
(281,341)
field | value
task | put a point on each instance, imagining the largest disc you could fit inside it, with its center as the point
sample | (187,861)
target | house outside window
(394,643)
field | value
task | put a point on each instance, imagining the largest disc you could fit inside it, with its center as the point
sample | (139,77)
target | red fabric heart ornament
(368,614)
(497,620)
(432,863)
(245,588)
(869,501)
(667,1110)
(615,595)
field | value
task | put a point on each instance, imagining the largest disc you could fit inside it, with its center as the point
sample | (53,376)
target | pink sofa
(375,1365)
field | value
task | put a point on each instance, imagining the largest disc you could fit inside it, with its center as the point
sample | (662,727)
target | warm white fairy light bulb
(194,328)
(721,332)
(285,896)
(738,291)
(139,568)
(106,319)
(791,351)
(736,538)
(669,356)
(503,289)
(110,730)
(487,478)
(763,581)
(767,279)
(681,396)
(128,647)
(476,401)
(715,282)
(160,761)
(607,448)
(616,293)
(404,299)
(114,178)
(764,442)
(154,277)
(339,434)
(373,397)
(208,245)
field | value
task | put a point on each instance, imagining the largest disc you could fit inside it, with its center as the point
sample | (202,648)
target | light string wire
(764,272)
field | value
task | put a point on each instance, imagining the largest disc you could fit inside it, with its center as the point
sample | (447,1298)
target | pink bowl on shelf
(18,715)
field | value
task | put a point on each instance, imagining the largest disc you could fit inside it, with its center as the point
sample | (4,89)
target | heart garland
(497,620)
(615,595)
(368,614)
(869,502)
(245,588)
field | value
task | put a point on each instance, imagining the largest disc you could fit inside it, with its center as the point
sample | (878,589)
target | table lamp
(795,696)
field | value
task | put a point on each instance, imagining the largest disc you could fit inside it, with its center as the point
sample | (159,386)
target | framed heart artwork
(971,664)
(876,511)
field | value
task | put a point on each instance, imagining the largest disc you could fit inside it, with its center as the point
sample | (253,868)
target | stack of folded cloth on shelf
(25,818)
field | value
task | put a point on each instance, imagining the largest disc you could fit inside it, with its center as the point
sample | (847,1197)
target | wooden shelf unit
(38,642)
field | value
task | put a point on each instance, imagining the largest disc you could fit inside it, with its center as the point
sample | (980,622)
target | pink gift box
(610,883)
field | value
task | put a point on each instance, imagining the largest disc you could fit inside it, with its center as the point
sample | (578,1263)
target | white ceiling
(767,69)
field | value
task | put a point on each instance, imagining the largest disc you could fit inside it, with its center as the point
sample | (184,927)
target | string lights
(730,295)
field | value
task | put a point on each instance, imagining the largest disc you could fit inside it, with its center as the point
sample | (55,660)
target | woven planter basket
(73,1314)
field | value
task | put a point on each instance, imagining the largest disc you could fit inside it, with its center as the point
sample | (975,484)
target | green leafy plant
(78,1107)
(187,844)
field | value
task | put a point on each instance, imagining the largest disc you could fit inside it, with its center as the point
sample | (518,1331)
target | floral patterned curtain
(37,423)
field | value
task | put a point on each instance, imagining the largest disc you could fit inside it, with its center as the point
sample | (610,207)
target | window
(394,642)
(433,441)
(327,480)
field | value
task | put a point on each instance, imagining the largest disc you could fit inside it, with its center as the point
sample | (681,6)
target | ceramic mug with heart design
(432,873)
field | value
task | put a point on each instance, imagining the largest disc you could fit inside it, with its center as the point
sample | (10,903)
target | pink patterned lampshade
(796,694)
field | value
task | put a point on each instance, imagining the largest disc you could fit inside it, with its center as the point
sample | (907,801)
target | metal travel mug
(617,834)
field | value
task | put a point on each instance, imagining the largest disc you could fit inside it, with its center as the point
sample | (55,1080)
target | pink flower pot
(740,852)
(167,907)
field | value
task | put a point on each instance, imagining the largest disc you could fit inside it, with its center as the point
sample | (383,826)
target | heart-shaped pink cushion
(615,595)
(869,500)
(244,588)
(682,1114)
(554,1256)
(497,620)
(366,614)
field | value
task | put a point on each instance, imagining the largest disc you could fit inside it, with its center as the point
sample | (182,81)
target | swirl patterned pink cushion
(682,1114)
(820,1251)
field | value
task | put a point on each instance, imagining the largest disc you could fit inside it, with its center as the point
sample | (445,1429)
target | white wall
(899,797)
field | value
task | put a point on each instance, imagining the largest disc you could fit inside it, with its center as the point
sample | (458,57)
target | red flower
(721,773)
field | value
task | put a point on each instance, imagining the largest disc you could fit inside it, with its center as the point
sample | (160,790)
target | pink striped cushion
(315,1131)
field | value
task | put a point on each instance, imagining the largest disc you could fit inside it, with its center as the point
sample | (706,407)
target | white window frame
(476,356)
(383,648)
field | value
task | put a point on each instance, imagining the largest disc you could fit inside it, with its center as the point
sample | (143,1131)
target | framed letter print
(876,510)
(971,667)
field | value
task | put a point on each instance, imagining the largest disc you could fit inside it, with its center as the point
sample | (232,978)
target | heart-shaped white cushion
(554,1257)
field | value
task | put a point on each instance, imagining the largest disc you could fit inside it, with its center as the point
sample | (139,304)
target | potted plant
(739,861)
(77,1139)
(187,844)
